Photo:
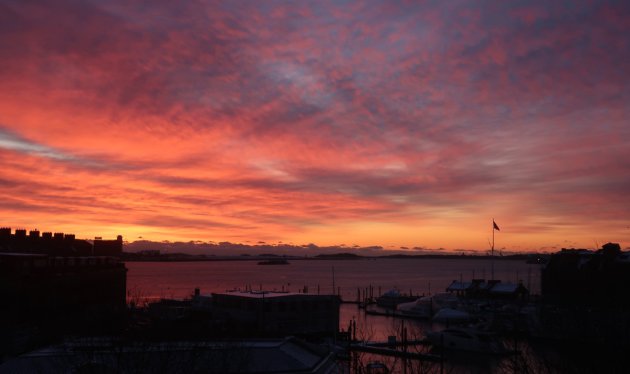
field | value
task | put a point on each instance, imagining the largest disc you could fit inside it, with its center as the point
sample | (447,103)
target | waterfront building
(488,289)
(278,313)
(54,285)
(108,247)
(586,299)
(584,277)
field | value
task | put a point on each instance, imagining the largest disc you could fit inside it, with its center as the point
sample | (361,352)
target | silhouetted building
(5,233)
(108,247)
(54,284)
(489,289)
(583,277)
(57,244)
(278,313)
(37,286)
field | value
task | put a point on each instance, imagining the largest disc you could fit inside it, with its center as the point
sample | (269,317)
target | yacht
(279,261)
(392,298)
(449,315)
(426,306)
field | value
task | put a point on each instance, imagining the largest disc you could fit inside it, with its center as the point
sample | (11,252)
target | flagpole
(492,253)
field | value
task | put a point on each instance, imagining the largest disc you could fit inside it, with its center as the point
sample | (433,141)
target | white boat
(392,298)
(424,307)
(449,315)
(420,308)
(467,339)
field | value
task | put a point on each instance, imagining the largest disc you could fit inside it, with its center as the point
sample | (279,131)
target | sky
(398,124)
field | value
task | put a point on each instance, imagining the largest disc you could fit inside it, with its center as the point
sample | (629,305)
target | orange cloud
(397,124)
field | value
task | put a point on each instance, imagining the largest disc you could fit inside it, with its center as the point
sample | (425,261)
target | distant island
(340,256)
(156,256)
(147,250)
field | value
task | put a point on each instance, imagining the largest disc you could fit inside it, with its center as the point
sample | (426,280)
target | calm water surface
(154,280)
(178,279)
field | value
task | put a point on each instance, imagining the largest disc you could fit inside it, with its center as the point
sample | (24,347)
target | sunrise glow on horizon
(398,124)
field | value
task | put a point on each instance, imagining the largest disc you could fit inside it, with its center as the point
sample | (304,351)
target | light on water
(420,276)
(154,280)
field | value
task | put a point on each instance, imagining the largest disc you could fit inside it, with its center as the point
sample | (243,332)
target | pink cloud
(271,121)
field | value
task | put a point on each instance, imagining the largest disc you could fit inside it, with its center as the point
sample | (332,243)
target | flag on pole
(494,224)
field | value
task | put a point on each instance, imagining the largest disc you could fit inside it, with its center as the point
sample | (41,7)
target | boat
(425,306)
(449,315)
(392,298)
(279,261)
(467,339)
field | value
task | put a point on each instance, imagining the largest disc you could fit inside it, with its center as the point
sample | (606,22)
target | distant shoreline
(181,257)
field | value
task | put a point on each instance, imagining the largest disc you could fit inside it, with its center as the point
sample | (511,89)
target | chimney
(5,232)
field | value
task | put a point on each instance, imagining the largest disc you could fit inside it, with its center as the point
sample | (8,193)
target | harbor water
(147,281)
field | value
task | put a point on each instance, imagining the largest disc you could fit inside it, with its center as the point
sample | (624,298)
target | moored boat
(392,298)
(449,315)
(426,306)
(279,261)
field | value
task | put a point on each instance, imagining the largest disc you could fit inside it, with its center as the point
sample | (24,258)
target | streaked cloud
(379,123)
(14,142)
